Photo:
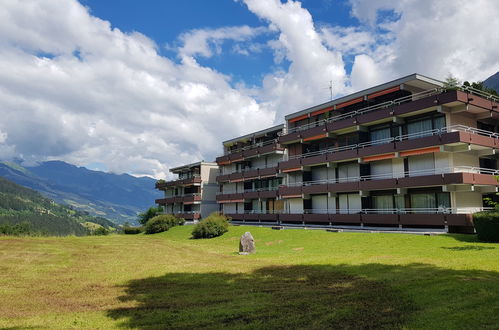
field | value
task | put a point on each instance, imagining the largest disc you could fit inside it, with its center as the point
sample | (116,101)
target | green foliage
(149,214)
(212,226)
(129,230)
(487,226)
(479,85)
(451,82)
(19,204)
(101,231)
(161,223)
(19,229)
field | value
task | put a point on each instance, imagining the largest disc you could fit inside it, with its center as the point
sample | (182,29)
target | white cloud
(205,42)
(72,88)
(436,38)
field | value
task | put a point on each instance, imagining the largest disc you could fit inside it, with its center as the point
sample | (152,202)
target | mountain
(116,197)
(25,211)
(492,82)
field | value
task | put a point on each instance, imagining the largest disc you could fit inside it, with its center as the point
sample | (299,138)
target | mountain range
(116,197)
(492,82)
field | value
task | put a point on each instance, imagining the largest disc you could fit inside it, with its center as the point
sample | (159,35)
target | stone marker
(247,244)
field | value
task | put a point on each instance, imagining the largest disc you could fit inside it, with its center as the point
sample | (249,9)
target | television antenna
(330,90)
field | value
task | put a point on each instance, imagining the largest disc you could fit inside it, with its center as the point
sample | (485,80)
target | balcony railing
(226,171)
(248,190)
(396,175)
(438,131)
(435,210)
(398,101)
(184,195)
(251,146)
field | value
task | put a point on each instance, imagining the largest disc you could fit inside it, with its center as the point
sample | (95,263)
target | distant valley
(116,197)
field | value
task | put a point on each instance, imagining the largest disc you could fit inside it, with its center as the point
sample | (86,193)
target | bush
(212,226)
(129,230)
(149,214)
(101,231)
(487,226)
(161,223)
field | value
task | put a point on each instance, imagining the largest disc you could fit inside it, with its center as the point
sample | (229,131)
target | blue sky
(164,23)
(143,86)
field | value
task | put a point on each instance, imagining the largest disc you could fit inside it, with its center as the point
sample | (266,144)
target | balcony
(186,199)
(248,194)
(478,100)
(410,179)
(249,174)
(194,180)
(250,151)
(456,134)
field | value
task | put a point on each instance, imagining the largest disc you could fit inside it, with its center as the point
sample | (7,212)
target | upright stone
(247,244)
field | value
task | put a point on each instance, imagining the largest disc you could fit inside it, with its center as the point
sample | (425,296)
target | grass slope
(19,204)
(298,278)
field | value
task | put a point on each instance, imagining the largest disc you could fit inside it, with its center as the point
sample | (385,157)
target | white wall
(382,168)
(320,202)
(466,200)
(398,167)
(295,205)
(229,208)
(465,159)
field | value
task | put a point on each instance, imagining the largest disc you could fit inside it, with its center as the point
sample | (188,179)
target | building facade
(249,177)
(408,153)
(192,195)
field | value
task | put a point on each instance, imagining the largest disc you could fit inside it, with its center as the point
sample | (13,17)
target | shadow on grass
(315,296)
(468,248)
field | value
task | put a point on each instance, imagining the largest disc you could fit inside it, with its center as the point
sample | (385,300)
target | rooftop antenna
(330,90)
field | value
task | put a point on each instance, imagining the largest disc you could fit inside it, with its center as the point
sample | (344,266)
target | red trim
(225,162)
(318,112)
(292,120)
(386,91)
(347,103)
(423,151)
(291,169)
(316,137)
(378,157)
(292,196)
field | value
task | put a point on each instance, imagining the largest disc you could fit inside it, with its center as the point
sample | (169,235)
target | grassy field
(298,278)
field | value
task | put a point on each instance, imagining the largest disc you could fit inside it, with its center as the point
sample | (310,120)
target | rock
(247,244)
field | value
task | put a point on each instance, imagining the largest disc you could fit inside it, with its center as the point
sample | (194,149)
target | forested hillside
(20,205)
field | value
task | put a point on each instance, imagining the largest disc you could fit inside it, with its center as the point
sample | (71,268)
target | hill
(492,82)
(116,197)
(20,206)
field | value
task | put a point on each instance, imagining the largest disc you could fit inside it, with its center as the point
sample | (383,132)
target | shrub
(487,226)
(161,223)
(149,214)
(212,226)
(129,230)
(101,231)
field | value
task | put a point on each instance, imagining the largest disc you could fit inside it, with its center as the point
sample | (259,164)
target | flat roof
(415,79)
(187,167)
(256,134)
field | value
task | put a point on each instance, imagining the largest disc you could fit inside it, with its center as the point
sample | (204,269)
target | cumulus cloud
(206,42)
(73,88)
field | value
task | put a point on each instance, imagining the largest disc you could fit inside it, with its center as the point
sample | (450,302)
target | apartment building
(408,153)
(249,177)
(192,195)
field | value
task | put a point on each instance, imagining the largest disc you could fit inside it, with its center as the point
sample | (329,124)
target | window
(380,134)
(383,203)
(422,127)
(434,201)
(349,203)
(348,172)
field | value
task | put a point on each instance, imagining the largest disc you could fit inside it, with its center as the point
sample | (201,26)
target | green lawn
(297,279)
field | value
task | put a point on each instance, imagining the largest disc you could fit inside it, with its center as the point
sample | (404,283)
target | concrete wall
(461,118)
(463,200)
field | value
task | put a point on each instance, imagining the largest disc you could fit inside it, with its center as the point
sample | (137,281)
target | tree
(451,82)
(479,85)
(150,213)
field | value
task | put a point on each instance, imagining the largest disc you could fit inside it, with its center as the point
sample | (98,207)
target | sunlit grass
(297,278)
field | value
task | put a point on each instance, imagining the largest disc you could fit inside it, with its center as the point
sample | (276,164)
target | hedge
(487,226)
